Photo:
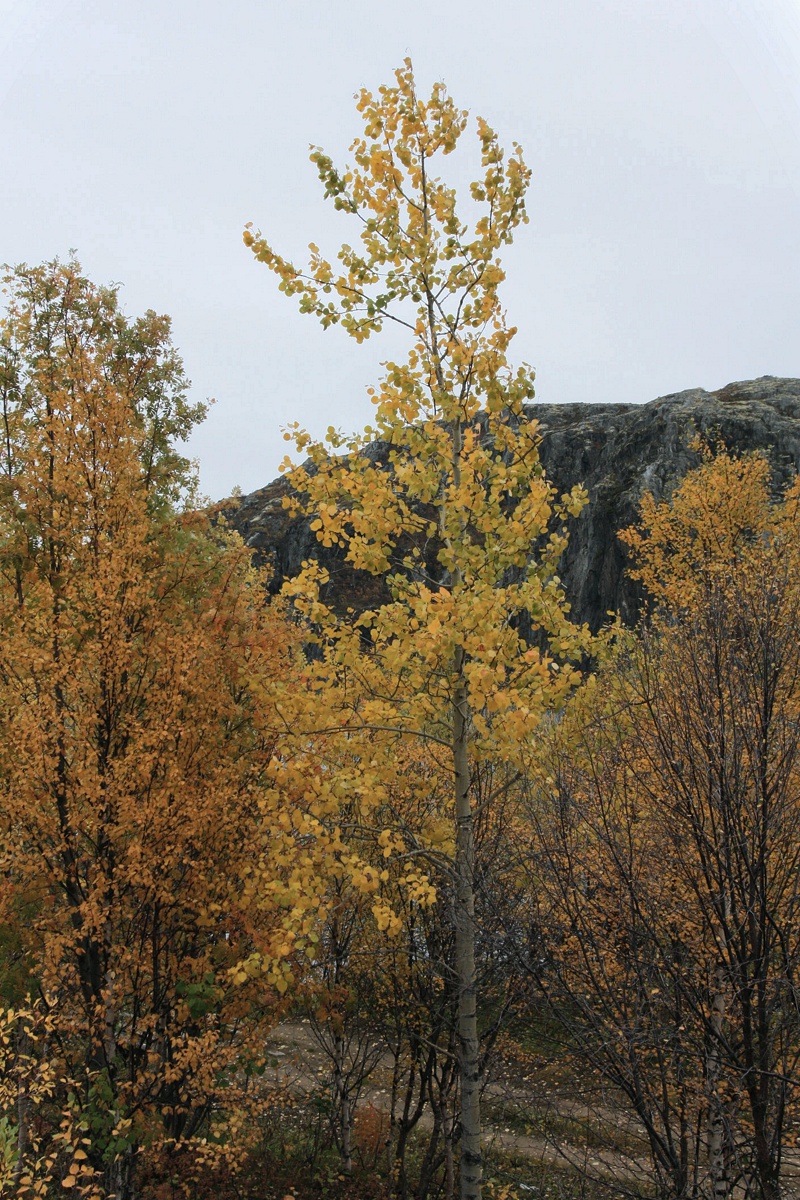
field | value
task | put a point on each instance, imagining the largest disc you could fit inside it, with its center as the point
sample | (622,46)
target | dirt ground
(546,1120)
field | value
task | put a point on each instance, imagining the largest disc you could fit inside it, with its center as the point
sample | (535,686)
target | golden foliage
(137,768)
(669,814)
(451,504)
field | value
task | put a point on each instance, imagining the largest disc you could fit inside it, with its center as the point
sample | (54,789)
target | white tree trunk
(468,1047)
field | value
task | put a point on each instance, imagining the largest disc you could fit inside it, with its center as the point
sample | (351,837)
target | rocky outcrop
(619,451)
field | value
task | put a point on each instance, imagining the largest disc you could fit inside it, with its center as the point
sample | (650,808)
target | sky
(663,249)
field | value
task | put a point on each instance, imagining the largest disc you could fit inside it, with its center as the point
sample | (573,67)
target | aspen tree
(455,510)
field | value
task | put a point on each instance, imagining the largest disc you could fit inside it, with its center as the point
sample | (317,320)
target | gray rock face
(619,451)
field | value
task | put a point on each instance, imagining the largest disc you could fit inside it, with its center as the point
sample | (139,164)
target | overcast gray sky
(663,250)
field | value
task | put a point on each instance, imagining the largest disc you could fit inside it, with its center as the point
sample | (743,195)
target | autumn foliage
(476,644)
(133,751)
(431,835)
(668,860)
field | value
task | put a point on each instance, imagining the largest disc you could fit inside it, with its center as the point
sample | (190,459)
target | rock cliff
(619,451)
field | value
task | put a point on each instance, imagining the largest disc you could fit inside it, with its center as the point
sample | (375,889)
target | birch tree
(667,860)
(134,756)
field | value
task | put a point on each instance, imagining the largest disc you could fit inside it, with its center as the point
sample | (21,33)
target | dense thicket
(133,749)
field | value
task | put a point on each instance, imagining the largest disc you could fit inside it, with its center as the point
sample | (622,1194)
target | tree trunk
(468,1048)
(344,1108)
(120,1176)
(443,1120)
(431,1158)
(717,1164)
(23,1139)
